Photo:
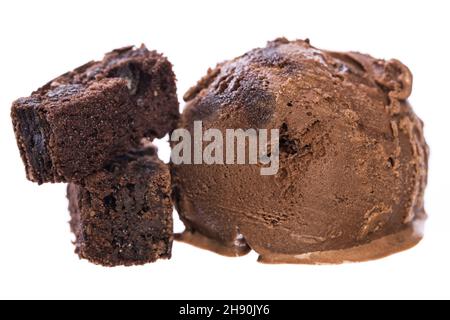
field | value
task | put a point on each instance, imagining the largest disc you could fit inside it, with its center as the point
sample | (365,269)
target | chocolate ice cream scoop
(353,159)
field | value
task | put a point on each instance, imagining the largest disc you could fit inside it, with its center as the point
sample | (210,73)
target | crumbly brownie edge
(74,210)
(32,132)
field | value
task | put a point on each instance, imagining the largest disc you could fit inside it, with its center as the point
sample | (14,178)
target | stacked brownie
(91,128)
(122,214)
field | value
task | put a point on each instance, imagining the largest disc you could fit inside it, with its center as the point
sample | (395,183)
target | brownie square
(77,123)
(122,215)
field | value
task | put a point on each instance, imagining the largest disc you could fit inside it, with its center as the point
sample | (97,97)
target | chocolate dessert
(78,122)
(122,215)
(353,159)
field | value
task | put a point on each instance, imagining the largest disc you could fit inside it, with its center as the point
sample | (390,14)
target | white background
(40,40)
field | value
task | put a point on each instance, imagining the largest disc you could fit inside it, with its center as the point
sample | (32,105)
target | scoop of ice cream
(353,160)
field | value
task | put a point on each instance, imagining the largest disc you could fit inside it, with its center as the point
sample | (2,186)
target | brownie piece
(122,215)
(77,123)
